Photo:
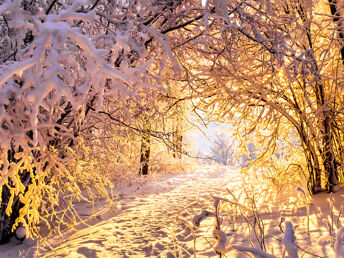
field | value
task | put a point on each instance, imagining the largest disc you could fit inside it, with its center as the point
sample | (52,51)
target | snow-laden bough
(257,253)
(198,218)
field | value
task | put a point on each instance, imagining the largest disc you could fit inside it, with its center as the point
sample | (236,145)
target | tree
(222,149)
(59,61)
(174,111)
(145,154)
(248,157)
(273,68)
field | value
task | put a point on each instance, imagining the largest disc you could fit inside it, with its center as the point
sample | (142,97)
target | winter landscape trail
(153,219)
(146,218)
(145,223)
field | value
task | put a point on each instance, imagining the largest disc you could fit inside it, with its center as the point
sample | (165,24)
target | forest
(98,93)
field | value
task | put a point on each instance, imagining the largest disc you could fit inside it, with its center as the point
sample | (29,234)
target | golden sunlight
(167,129)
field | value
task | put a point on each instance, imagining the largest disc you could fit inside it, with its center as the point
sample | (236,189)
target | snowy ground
(151,219)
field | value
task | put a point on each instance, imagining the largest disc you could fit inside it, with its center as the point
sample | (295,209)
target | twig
(50,7)
(297,246)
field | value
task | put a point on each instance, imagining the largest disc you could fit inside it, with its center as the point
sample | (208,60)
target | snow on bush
(58,63)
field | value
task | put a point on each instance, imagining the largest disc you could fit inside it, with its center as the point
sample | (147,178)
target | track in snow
(144,225)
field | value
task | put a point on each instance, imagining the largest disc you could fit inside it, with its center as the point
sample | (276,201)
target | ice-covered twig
(216,202)
(189,225)
(289,240)
(302,191)
(198,218)
(280,224)
(257,253)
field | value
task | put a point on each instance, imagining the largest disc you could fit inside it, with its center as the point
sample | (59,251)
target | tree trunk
(327,153)
(179,145)
(314,180)
(5,221)
(178,138)
(326,133)
(326,150)
(329,162)
(145,153)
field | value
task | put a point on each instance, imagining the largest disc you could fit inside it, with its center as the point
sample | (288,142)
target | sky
(202,139)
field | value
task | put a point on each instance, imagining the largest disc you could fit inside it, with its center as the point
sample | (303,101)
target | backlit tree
(274,68)
(59,61)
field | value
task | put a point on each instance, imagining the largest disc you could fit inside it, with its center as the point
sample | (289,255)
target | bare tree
(222,149)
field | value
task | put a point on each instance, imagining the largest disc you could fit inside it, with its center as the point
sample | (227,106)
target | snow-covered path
(151,221)
(146,220)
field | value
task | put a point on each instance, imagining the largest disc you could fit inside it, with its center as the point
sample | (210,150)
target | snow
(338,247)
(198,218)
(20,233)
(154,217)
(221,243)
(257,253)
(289,240)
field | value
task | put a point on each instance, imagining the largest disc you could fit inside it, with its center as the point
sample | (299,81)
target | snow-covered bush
(59,61)
(225,240)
